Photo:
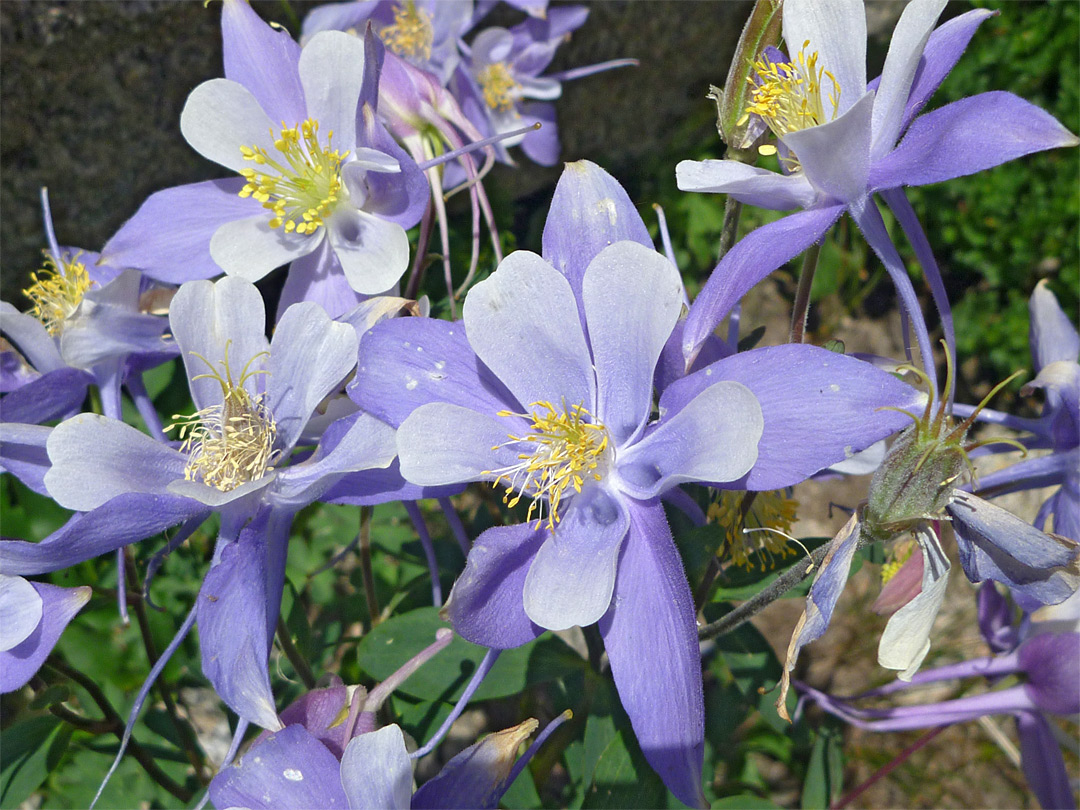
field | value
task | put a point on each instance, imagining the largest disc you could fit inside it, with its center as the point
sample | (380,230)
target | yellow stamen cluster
(900,554)
(302,185)
(787,95)
(56,292)
(412,34)
(562,449)
(499,86)
(768,510)
(232,443)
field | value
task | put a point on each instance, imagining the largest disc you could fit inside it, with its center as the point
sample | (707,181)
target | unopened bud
(737,129)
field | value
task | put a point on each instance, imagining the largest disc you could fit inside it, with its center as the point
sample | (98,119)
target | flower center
(768,516)
(899,554)
(787,95)
(56,292)
(499,86)
(412,34)
(232,443)
(562,449)
(300,183)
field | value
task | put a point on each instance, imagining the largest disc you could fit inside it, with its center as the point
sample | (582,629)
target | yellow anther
(768,510)
(57,290)
(499,86)
(901,553)
(411,34)
(563,448)
(232,443)
(303,182)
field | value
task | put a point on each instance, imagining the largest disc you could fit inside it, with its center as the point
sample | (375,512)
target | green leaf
(29,751)
(825,770)
(747,801)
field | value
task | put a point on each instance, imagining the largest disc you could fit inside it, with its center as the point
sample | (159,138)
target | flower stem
(365,564)
(801,308)
(732,210)
(885,770)
(295,658)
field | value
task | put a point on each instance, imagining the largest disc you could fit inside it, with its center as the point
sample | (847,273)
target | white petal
(376,771)
(373,252)
(836,30)
(332,73)
(836,156)
(250,248)
(447,444)
(20,611)
(219,117)
(747,184)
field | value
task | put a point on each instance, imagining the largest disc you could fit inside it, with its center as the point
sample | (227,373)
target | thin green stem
(298,661)
(732,211)
(366,513)
(801,308)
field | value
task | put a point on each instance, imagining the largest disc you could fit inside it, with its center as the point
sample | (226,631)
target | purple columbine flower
(237,456)
(89,324)
(837,136)
(32,617)
(322,185)
(547,387)
(1045,654)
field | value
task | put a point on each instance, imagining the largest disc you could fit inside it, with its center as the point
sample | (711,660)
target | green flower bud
(760,31)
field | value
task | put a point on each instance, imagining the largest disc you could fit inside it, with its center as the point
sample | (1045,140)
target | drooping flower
(321,184)
(838,140)
(1042,652)
(547,387)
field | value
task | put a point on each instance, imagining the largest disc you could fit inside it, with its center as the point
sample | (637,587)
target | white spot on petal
(293,775)
(834,387)
(607,206)
(410,385)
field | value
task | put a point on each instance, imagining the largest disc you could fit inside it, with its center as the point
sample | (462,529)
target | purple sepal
(288,770)
(543,145)
(650,634)
(59,606)
(589,211)
(672,364)
(968,136)
(1052,335)
(372,487)
(995,544)
(1051,662)
(996,619)
(318,277)
(124,519)
(399,197)
(409,362)
(23,453)
(486,605)
(54,395)
(319,711)
(752,258)
(796,385)
(1043,763)
(237,614)
(15,372)
(168,238)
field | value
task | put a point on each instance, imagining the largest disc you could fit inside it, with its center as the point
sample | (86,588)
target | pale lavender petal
(1043,763)
(486,605)
(523,323)
(219,117)
(713,437)
(249,248)
(572,577)
(440,443)
(650,634)
(588,212)
(95,458)
(906,47)
(1052,336)
(332,72)
(58,607)
(54,395)
(264,60)
(372,487)
(752,258)
(543,145)
(20,608)
(836,156)
(632,297)
(819,407)
(237,612)
(125,519)
(309,358)
(396,197)
(374,252)
(995,544)
(747,184)
(337,16)
(168,238)
(968,136)
(31,338)
(210,318)
(219,499)
(287,770)
(408,362)
(104,332)
(376,772)
(836,30)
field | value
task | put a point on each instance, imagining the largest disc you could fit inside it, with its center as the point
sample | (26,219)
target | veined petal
(332,72)
(219,117)
(713,437)
(376,772)
(58,607)
(523,323)
(747,184)
(1052,335)
(54,395)
(836,156)
(836,30)
(95,459)
(487,604)
(374,252)
(632,297)
(309,357)
(440,443)
(33,340)
(20,607)
(967,136)
(249,248)
(905,51)
(572,577)
(651,639)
